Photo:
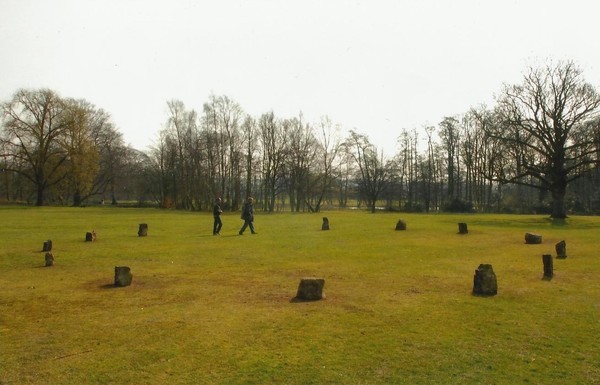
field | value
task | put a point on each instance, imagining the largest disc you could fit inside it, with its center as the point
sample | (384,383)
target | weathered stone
(123,276)
(90,237)
(143,230)
(484,281)
(47,246)
(49,258)
(462,228)
(310,289)
(561,250)
(401,225)
(548,266)
(325,225)
(533,239)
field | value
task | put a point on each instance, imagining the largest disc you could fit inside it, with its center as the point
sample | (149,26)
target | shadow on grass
(300,300)
(558,222)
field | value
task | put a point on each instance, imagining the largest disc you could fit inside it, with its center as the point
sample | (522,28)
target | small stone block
(90,237)
(533,239)
(548,266)
(484,281)
(561,250)
(462,228)
(49,259)
(123,276)
(325,225)
(310,289)
(143,230)
(401,225)
(47,246)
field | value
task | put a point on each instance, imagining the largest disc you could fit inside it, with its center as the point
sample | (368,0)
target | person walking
(248,216)
(217,215)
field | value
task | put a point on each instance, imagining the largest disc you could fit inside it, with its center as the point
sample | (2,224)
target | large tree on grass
(544,124)
(33,125)
(373,171)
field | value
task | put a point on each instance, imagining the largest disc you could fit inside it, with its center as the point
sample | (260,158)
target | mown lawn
(207,309)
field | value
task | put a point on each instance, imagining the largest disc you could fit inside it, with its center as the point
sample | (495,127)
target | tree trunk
(40,196)
(558,202)
(77,199)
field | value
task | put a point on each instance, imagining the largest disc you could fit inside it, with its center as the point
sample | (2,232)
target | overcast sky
(373,66)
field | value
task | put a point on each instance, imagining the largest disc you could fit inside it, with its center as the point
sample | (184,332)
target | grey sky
(373,66)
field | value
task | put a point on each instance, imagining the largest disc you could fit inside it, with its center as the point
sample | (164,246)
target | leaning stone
(561,250)
(310,289)
(49,258)
(462,228)
(548,266)
(143,230)
(401,225)
(533,239)
(47,246)
(484,281)
(123,276)
(325,225)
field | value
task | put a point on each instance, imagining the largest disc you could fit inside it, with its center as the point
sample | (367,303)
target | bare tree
(250,146)
(450,136)
(407,160)
(374,172)
(544,123)
(83,165)
(273,145)
(34,122)
(300,162)
(328,147)
(113,155)
(181,131)
(222,117)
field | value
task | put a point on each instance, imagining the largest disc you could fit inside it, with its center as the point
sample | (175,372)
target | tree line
(536,150)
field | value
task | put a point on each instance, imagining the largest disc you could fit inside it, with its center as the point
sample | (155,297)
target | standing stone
(533,239)
(143,230)
(561,250)
(47,246)
(462,228)
(90,237)
(484,281)
(401,225)
(548,266)
(325,225)
(123,276)
(49,258)
(310,289)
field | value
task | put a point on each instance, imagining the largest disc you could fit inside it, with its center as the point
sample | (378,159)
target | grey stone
(49,259)
(561,250)
(401,225)
(533,239)
(310,289)
(548,266)
(47,246)
(143,230)
(484,281)
(123,276)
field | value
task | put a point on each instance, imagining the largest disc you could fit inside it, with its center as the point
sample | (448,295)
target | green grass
(206,309)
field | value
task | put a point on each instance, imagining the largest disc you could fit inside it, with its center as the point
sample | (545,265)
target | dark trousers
(217,225)
(246,224)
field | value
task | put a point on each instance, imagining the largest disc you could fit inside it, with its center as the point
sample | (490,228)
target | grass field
(207,309)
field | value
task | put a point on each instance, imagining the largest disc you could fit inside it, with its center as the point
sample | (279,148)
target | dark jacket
(248,212)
